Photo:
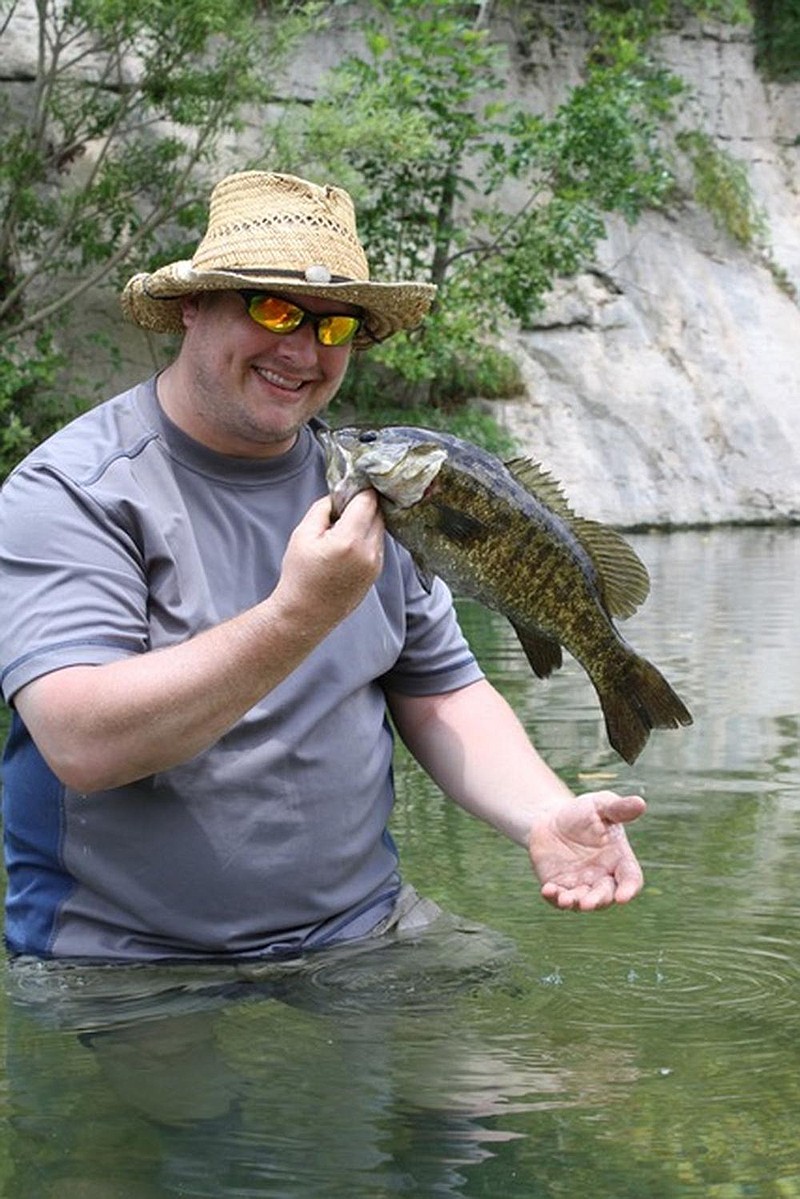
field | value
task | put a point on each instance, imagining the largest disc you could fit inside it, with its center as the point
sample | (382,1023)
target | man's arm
(104,726)
(476,750)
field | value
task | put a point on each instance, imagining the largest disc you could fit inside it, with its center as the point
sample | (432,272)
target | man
(200,663)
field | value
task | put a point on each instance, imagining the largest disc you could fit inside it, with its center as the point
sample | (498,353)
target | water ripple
(707,990)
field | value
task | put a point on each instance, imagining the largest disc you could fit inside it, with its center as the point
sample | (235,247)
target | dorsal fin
(623,575)
(539,482)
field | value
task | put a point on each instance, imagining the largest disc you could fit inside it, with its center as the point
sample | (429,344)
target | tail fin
(639,700)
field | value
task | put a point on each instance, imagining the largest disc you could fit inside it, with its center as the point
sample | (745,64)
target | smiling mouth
(280,381)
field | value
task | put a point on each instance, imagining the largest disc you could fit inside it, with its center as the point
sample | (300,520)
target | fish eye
(369,435)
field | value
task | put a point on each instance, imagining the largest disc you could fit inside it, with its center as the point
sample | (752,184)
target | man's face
(246,391)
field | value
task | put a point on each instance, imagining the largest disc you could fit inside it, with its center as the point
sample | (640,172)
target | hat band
(312,274)
(318,275)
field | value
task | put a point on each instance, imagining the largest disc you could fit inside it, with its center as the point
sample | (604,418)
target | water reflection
(651,1051)
(365,1077)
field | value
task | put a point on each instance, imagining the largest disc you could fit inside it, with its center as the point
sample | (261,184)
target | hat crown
(263,221)
(268,230)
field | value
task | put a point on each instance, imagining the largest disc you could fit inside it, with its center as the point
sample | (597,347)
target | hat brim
(153,301)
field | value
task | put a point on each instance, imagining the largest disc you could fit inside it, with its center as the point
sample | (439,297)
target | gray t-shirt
(121,535)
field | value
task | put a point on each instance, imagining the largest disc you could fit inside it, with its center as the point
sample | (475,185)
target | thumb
(620,809)
(318,518)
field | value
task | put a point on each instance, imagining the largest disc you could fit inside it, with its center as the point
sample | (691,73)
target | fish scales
(505,535)
(519,559)
(511,557)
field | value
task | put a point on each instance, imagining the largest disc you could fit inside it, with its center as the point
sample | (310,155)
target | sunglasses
(282,316)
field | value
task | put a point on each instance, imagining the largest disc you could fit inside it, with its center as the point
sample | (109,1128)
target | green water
(651,1051)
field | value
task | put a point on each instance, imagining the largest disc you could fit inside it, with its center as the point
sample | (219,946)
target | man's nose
(300,345)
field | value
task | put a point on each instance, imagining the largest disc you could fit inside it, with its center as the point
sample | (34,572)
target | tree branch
(161,214)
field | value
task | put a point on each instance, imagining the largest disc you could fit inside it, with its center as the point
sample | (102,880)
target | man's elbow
(59,720)
(80,767)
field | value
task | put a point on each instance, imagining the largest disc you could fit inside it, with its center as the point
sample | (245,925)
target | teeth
(279,380)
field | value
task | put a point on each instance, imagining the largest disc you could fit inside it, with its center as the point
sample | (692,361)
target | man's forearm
(474,747)
(104,726)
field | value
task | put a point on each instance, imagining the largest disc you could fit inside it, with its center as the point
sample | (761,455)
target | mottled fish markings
(504,534)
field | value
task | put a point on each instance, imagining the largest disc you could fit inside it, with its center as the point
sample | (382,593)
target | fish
(504,534)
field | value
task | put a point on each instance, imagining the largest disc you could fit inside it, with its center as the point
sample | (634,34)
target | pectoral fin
(459,526)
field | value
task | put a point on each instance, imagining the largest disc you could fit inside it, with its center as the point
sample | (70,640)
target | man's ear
(190,306)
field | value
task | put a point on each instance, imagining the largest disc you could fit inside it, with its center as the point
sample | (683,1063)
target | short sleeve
(73,587)
(436,656)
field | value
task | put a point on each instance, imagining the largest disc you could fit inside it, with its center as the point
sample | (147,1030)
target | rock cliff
(662,386)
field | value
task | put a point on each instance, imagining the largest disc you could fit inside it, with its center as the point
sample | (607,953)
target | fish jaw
(345,479)
(402,474)
(340,488)
(399,472)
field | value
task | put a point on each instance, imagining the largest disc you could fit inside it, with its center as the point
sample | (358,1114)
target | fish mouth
(343,481)
(401,474)
(342,493)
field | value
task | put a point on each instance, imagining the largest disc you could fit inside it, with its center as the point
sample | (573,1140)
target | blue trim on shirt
(33,817)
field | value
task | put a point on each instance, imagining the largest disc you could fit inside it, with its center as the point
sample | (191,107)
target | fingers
(588,888)
(361,520)
(629,886)
(319,516)
(602,894)
(360,526)
(619,809)
(336,560)
(359,529)
(594,866)
(362,512)
(584,897)
(360,515)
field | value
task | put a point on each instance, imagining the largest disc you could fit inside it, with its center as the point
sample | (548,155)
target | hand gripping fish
(504,534)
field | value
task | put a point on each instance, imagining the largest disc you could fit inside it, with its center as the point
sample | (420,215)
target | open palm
(581,855)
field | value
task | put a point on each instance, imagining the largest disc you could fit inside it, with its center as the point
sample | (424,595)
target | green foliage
(108,170)
(131,101)
(454,361)
(31,402)
(722,186)
(721,183)
(648,17)
(477,195)
(777,25)
(399,121)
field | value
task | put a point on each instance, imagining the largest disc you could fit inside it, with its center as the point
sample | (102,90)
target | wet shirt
(118,536)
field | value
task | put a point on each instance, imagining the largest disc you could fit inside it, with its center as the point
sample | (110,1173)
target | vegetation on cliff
(104,166)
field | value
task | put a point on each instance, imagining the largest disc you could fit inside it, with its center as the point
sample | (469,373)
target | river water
(652,1050)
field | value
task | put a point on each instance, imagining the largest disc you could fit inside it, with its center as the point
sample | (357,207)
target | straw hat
(279,233)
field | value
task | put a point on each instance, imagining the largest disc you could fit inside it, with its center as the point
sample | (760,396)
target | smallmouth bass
(505,535)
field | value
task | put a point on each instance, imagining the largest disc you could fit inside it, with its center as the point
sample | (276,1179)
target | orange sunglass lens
(337,330)
(279,316)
